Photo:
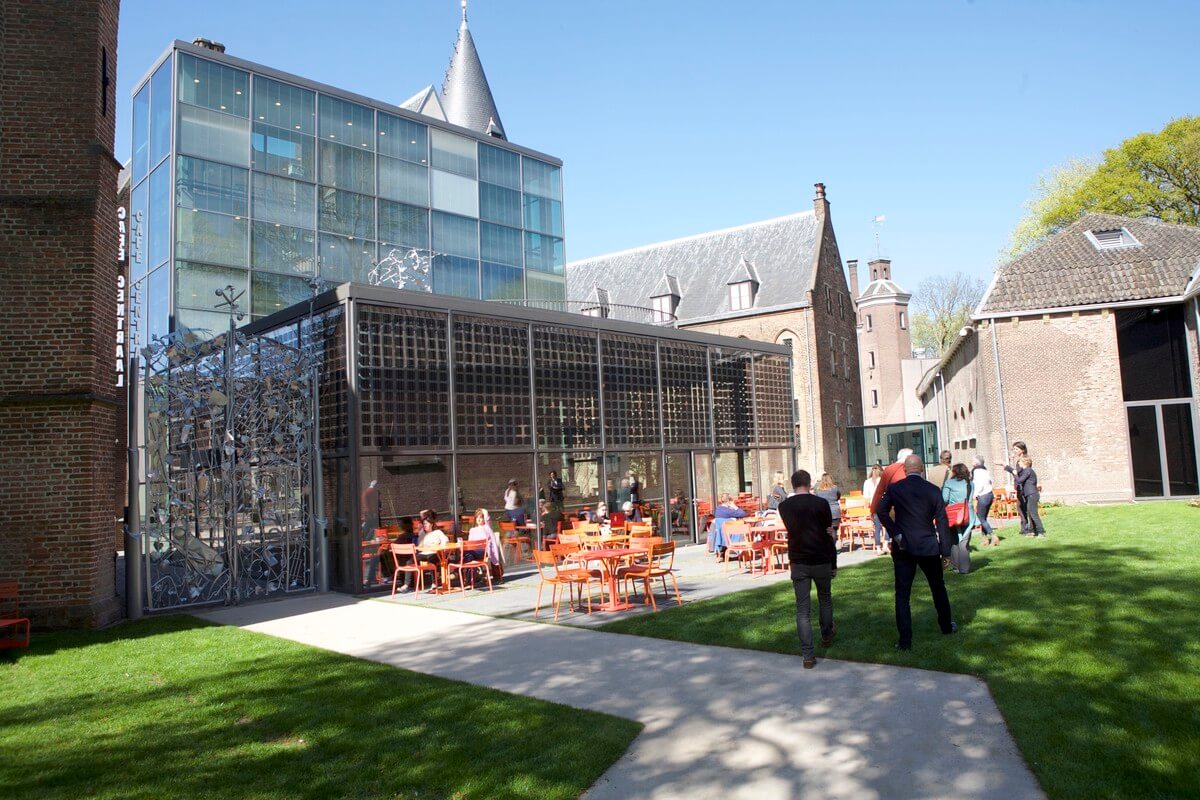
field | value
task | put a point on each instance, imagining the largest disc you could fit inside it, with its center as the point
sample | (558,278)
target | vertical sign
(122,236)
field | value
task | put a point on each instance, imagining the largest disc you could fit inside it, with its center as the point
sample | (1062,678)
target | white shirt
(982,481)
(869,486)
(510,500)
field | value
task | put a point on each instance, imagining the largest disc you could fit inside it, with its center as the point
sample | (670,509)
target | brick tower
(60,407)
(883,342)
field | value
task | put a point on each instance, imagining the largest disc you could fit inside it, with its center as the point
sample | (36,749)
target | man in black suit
(813,556)
(916,542)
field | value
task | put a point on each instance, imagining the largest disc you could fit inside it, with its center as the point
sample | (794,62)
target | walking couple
(914,514)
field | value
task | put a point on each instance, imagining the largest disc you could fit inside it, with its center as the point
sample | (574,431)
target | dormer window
(662,307)
(1111,239)
(601,308)
(741,295)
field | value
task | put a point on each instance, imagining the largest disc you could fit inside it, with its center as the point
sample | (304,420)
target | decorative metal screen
(491,382)
(686,407)
(228,470)
(325,335)
(630,391)
(732,408)
(403,378)
(566,388)
(773,399)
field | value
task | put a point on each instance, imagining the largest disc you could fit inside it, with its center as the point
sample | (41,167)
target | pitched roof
(883,288)
(780,254)
(1069,270)
(466,96)
(426,102)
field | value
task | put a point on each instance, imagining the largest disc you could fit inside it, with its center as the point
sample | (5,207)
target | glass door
(680,515)
(702,492)
(1162,450)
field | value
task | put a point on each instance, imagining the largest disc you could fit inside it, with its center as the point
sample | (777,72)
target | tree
(1148,175)
(941,307)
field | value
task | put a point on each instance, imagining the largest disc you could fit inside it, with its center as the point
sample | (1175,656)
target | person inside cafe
(557,490)
(551,517)
(632,511)
(483,530)
(514,503)
(407,535)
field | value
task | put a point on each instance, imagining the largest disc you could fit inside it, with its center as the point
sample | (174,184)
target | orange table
(610,557)
(442,552)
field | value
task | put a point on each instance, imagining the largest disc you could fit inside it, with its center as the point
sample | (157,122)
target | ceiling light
(383,133)
(414,141)
(278,104)
(350,123)
(276,224)
(237,218)
(195,80)
(239,91)
(331,136)
(222,108)
(260,116)
(297,127)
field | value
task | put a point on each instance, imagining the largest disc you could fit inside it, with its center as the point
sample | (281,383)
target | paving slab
(719,722)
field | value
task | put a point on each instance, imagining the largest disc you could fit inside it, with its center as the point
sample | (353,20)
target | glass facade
(234,170)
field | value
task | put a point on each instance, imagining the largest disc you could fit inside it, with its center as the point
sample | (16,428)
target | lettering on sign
(122,238)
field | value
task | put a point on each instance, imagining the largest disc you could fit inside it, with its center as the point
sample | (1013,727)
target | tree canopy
(940,308)
(1148,175)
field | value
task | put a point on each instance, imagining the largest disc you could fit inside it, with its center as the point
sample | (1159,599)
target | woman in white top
(483,530)
(981,479)
(869,487)
(514,505)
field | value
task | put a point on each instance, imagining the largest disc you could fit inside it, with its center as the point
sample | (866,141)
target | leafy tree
(940,308)
(1148,175)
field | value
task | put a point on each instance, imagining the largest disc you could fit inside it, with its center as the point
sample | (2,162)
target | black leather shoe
(827,641)
(953,629)
(903,646)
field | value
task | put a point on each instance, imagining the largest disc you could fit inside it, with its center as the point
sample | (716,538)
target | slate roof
(466,95)
(882,288)
(780,253)
(1067,269)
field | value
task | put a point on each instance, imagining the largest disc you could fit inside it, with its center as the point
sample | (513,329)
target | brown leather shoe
(826,641)
(809,663)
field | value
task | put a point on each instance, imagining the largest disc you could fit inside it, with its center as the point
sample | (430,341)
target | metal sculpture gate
(229,470)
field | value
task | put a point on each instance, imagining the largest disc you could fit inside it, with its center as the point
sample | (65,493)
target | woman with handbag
(957,493)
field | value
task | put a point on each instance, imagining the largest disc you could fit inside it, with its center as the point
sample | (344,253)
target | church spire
(466,96)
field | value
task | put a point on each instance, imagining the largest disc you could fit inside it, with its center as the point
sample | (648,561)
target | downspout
(999,391)
(812,406)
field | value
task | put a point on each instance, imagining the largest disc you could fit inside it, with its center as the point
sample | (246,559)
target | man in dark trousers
(813,556)
(920,538)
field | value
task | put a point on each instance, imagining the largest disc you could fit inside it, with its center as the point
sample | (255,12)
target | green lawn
(1089,641)
(175,708)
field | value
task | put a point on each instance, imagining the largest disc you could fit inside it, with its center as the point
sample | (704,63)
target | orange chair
(659,564)
(414,565)
(550,572)
(472,555)
(779,550)
(740,544)
(511,539)
(15,628)
(641,529)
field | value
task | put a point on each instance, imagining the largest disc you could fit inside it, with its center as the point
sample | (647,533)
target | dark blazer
(920,516)
(1026,479)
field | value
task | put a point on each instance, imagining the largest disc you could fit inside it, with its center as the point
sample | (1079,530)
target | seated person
(725,510)
(600,515)
(632,512)
(433,536)
(483,530)
(388,559)
(551,517)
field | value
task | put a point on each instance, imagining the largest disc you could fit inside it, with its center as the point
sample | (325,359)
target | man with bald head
(914,514)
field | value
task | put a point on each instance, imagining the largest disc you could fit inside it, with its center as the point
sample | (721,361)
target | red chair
(11,628)
(472,555)
(414,565)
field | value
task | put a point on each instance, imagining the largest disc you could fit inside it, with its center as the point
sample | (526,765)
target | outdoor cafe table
(442,553)
(610,557)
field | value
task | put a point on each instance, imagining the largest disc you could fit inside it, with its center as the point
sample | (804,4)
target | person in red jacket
(893,472)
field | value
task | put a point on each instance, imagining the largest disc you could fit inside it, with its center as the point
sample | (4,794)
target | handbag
(959,514)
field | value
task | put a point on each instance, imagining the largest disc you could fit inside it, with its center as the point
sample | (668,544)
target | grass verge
(178,708)
(1089,641)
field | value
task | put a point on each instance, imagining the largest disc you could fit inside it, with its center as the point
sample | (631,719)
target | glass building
(245,176)
(444,400)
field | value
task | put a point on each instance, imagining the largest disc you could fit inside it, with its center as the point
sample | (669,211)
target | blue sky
(675,118)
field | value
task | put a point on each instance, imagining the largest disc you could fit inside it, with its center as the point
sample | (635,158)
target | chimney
(881,269)
(209,44)
(852,268)
(820,204)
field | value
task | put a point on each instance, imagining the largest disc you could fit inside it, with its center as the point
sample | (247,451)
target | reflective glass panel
(159,249)
(213,86)
(482,480)
(628,365)
(686,407)
(491,382)
(209,186)
(453,153)
(347,168)
(498,204)
(214,135)
(403,378)
(580,473)
(542,179)
(502,283)
(567,388)
(284,201)
(212,238)
(158,303)
(679,504)
(271,293)
(401,180)
(344,258)
(1153,352)
(773,465)
(455,193)
(403,226)
(646,468)
(213,323)
(196,284)
(284,152)
(543,215)
(141,134)
(544,253)
(773,399)
(347,123)
(1181,449)
(284,106)
(402,138)
(160,113)
(409,484)
(499,244)
(1144,451)
(456,275)
(546,288)
(138,213)
(281,248)
(501,167)
(732,409)
(456,236)
(348,213)
(735,473)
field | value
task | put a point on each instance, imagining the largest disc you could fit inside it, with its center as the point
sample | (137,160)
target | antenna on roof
(879,220)
(464,9)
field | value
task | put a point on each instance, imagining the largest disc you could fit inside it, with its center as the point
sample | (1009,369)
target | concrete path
(719,722)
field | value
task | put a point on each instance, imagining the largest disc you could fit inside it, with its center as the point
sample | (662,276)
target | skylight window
(1111,239)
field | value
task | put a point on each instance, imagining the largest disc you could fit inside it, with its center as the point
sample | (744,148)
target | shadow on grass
(176,707)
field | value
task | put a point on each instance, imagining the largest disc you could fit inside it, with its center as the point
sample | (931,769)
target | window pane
(213,238)
(284,106)
(347,168)
(647,468)
(1152,348)
(772,394)
(283,152)
(348,213)
(212,322)
(497,204)
(141,134)
(280,248)
(211,134)
(1181,449)
(482,479)
(1144,451)
(543,215)
(346,259)
(196,285)
(453,153)
(456,276)
(284,201)
(404,226)
(542,179)
(138,212)
(210,187)
(271,293)
(455,194)
(160,113)
(629,366)
(347,123)
(400,180)
(502,283)
(500,167)
(402,138)
(456,236)
(158,305)
(491,382)
(734,415)
(213,86)
(499,244)
(405,489)
(160,215)
(549,288)
(567,388)
(685,394)
(544,253)
(580,473)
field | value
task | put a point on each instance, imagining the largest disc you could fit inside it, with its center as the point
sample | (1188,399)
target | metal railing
(591,308)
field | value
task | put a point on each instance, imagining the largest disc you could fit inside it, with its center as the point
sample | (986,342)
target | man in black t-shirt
(813,556)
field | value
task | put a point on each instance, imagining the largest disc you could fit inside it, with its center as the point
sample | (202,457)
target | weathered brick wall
(59,409)
(962,410)
(891,344)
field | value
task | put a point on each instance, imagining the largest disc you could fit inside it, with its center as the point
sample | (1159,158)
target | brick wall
(891,344)
(59,409)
